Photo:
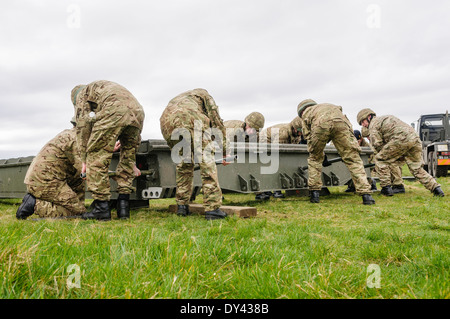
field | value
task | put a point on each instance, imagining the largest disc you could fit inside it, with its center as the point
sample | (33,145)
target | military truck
(434,132)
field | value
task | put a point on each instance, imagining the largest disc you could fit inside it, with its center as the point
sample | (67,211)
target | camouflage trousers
(395,173)
(394,168)
(411,152)
(59,198)
(212,194)
(347,146)
(99,154)
(201,152)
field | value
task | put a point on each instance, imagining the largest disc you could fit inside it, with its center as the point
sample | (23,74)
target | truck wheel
(437,171)
(441,171)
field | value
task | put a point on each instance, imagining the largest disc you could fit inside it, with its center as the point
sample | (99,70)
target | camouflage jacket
(281,131)
(56,161)
(236,132)
(365,143)
(321,114)
(206,105)
(388,128)
(105,104)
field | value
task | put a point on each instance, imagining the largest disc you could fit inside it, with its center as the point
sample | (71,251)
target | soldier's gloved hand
(303,140)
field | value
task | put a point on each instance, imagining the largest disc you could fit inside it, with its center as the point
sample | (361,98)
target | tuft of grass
(292,249)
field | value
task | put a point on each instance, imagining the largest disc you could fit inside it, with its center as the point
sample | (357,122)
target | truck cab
(434,132)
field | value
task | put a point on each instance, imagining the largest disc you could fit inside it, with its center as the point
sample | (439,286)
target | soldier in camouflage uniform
(395,169)
(189,112)
(284,133)
(393,139)
(107,112)
(362,142)
(54,185)
(245,131)
(322,123)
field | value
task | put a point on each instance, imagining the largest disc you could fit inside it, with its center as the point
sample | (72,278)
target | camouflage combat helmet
(303,105)
(364,114)
(75,91)
(255,120)
(297,124)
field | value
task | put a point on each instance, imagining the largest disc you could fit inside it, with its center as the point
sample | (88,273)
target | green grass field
(292,249)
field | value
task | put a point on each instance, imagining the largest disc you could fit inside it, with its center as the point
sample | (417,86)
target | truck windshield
(436,121)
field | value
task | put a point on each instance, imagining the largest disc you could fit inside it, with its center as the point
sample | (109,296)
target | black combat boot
(183,210)
(438,192)
(374,185)
(262,196)
(398,189)
(123,206)
(98,210)
(350,188)
(387,191)
(368,199)
(27,207)
(215,214)
(278,194)
(314,196)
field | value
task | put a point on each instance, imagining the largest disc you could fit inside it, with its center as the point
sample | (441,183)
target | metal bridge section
(258,168)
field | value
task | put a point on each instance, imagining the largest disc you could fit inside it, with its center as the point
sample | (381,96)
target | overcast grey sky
(251,55)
